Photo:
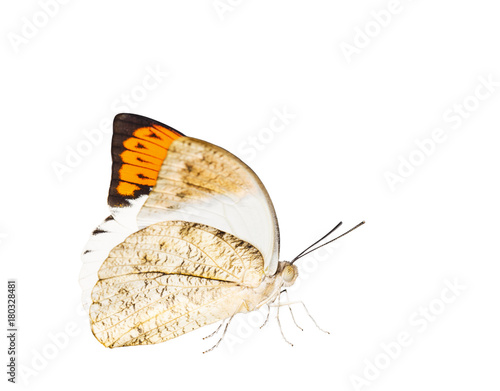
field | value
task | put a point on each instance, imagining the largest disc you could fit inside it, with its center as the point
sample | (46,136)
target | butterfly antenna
(316,242)
(305,252)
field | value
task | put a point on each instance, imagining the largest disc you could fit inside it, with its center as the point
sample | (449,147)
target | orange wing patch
(127,189)
(139,147)
(138,159)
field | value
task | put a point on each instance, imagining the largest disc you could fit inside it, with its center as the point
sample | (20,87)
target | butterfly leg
(301,302)
(279,323)
(267,317)
(215,332)
(222,337)
(290,308)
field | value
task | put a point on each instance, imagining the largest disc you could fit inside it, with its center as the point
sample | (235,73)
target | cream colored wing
(200,182)
(139,147)
(171,278)
(107,235)
(158,174)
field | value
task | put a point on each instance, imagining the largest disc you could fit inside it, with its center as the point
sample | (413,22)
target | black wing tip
(124,120)
(133,118)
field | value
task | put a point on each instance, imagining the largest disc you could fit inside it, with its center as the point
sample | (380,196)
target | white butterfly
(192,239)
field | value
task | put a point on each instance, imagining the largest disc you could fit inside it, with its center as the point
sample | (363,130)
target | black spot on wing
(154,135)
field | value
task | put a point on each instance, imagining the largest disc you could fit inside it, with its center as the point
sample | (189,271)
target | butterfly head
(289,273)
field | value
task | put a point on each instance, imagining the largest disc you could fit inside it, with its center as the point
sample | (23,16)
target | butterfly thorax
(270,287)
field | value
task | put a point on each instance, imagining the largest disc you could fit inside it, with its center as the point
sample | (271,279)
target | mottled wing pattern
(200,182)
(158,174)
(170,278)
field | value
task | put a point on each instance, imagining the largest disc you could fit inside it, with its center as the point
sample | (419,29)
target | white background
(356,116)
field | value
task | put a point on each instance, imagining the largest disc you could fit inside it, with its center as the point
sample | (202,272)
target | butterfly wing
(170,278)
(107,235)
(200,182)
(158,174)
(139,147)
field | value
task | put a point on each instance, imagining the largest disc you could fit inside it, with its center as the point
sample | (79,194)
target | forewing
(138,149)
(158,174)
(171,278)
(200,182)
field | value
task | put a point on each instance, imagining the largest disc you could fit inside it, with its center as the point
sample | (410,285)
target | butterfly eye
(289,274)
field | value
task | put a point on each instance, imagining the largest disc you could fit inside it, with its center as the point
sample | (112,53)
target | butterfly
(192,239)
